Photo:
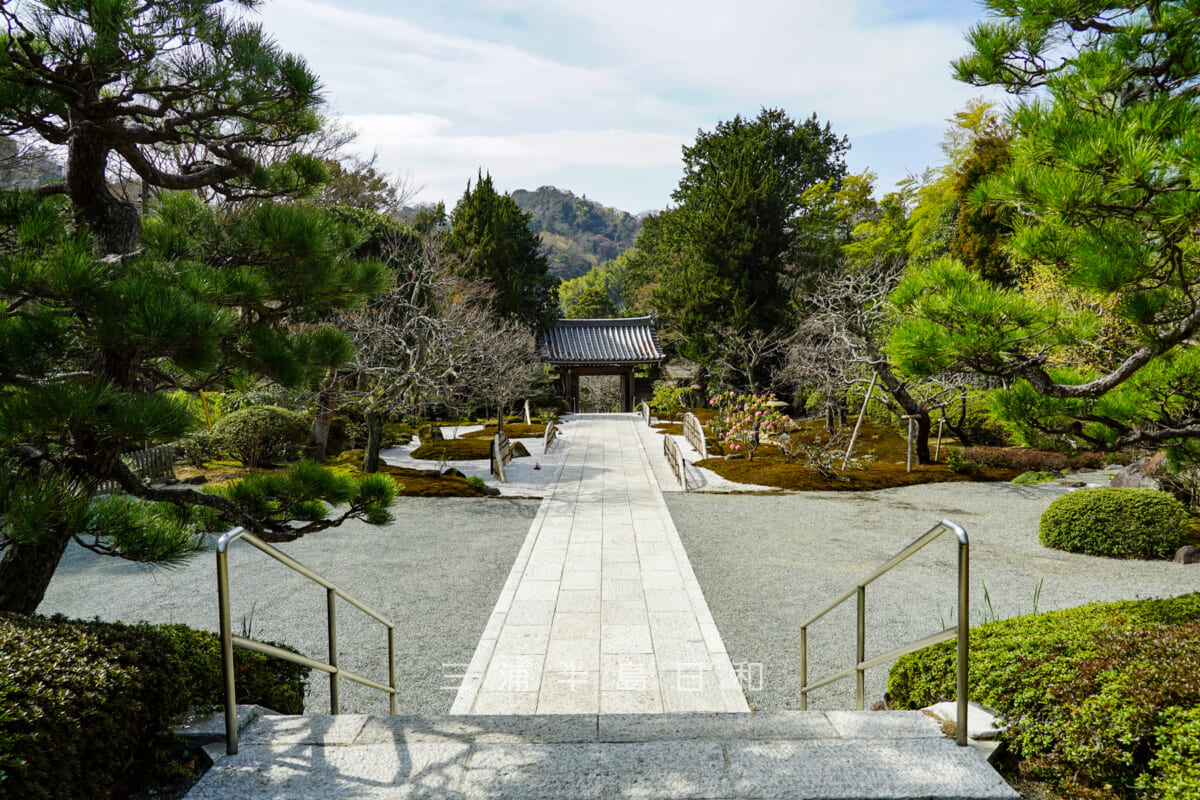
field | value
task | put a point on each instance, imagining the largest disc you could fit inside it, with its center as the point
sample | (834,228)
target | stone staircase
(588,757)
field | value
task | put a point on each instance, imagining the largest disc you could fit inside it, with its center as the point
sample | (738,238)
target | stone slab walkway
(808,754)
(601,613)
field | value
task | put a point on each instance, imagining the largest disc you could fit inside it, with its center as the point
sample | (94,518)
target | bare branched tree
(840,344)
(404,343)
(747,357)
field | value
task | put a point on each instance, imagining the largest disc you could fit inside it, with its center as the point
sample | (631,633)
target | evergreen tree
(183,93)
(725,257)
(1105,198)
(89,345)
(592,303)
(492,240)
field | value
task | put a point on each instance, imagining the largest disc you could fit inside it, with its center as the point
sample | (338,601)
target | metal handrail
(229,641)
(862,663)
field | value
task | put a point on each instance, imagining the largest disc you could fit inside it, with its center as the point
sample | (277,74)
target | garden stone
(430,433)
(519,450)
(1139,474)
(452,472)
(1187,555)
(491,491)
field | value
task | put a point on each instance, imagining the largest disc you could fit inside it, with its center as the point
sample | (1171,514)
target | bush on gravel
(1121,523)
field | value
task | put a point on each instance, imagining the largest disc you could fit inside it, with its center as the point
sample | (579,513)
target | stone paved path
(601,612)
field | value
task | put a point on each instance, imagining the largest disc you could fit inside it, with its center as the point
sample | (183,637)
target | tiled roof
(601,341)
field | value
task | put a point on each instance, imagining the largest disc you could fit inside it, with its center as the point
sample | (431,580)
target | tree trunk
(500,418)
(922,442)
(26,570)
(899,391)
(115,225)
(326,405)
(374,436)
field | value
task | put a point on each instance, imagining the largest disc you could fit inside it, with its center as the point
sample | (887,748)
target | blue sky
(599,96)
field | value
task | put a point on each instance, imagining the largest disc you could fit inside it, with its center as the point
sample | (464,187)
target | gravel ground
(435,572)
(768,563)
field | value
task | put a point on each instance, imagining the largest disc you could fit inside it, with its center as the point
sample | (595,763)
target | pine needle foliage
(1103,195)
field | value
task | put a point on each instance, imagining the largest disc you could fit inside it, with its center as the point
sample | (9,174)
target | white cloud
(435,155)
(608,84)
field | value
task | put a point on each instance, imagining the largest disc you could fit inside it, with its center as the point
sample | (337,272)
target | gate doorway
(579,348)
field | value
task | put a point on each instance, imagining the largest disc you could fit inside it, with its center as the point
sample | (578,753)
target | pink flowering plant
(742,422)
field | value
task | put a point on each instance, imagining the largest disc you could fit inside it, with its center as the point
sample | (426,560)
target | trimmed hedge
(1031,460)
(261,434)
(85,704)
(1121,523)
(1092,694)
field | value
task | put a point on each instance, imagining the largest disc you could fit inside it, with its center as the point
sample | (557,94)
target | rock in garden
(1140,474)
(491,491)
(430,433)
(1187,555)
(452,472)
(519,450)
(195,480)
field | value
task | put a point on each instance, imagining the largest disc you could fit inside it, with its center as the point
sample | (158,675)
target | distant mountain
(577,234)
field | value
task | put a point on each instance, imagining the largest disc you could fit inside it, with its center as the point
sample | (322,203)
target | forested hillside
(577,234)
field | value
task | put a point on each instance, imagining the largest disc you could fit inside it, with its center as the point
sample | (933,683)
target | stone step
(587,756)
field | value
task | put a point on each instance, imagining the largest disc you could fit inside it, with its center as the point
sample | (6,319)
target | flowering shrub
(741,421)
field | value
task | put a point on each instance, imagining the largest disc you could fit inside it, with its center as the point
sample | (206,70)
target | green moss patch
(886,469)
(1091,694)
(514,431)
(414,482)
(455,450)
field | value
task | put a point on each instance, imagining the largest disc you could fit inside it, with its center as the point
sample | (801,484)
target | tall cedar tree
(491,239)
(187,95)
(983,227)
(1105,197)
(724,250)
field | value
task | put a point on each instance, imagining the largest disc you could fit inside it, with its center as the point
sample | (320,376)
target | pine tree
(180,92)
(88,345)
(1105,199)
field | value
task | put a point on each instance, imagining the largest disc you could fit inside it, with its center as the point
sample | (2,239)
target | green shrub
(958,463)
(1087,691)
(979,423)
(197,448)
(668,399)
(1175,771)
(476,481)
(86,703)
(1121,523)
(1031,477)
(261,434)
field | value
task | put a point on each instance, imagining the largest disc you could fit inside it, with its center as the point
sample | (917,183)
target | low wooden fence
(155,464)
(644,410)
(550,435)
(693,431)
(501,454)
(675,459)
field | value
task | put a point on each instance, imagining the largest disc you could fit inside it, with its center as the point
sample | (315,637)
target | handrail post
(964,626)
(392,669)
(803,668)
(331,603)
(860,689)
(227,669)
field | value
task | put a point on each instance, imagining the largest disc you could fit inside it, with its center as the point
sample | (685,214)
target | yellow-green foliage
(1085,690)
(1122,523)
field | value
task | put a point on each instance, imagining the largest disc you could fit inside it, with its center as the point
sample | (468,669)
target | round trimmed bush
(1121,523)
(261,434)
